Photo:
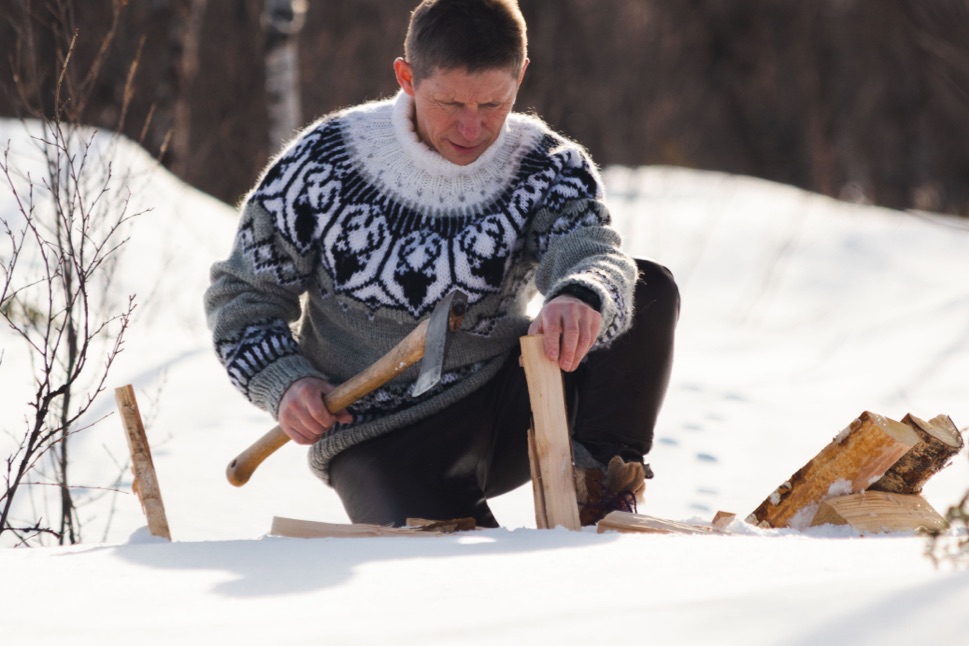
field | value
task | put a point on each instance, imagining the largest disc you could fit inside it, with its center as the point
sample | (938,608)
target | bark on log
(939,442)
(855,458)
(877,512)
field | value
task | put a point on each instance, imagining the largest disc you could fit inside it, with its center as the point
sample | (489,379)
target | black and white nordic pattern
(383,250)
(371,224)
(259,345)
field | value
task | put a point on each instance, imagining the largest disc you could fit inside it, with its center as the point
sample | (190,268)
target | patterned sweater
(358,229)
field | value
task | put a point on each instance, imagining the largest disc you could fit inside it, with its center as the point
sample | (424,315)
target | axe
(428,341)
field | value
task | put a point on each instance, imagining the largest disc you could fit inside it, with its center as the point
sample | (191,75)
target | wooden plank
(145,483)
(855,458)
(295,528)
(877,512)
(939,442)
(552,443)
(541,516)
(627,523)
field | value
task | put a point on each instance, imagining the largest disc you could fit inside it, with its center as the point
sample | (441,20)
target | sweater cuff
(581,292)
(267,388)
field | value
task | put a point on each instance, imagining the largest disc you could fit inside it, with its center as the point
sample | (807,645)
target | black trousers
(448,465)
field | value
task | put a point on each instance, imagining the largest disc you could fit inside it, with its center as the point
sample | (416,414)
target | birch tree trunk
(282,22)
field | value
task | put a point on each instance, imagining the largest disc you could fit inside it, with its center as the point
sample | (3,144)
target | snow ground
(799,312)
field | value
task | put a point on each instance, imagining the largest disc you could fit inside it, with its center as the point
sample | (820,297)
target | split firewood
(294,528)
(628,523)
(876,512)
(551,449)
(145,483)
(855,459)
(722,519)
(939,442)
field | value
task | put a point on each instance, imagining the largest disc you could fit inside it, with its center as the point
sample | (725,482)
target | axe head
(445,319)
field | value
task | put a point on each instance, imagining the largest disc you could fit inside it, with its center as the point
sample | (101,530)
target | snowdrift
(799,312)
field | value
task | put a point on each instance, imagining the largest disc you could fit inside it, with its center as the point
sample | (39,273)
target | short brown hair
(473,34)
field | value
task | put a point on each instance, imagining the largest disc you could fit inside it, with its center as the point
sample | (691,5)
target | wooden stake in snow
(856,458)
(145,484)
(550,448)
(876,512)
(939,442)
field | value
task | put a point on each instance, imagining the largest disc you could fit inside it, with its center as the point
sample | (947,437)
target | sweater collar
(384,145)
(426,157)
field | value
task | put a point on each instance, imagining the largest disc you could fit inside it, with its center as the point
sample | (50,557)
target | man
(374,214)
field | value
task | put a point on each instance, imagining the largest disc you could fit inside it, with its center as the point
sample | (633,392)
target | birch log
(855,458)
(939,442)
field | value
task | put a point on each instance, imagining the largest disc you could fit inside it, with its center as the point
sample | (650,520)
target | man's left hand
(570,327)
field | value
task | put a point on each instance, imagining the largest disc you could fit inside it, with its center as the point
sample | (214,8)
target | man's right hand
(302,415)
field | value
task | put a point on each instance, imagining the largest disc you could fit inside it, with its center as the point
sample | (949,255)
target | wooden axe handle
(405,354)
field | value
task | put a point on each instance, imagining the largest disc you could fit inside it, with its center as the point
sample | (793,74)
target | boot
(617,487)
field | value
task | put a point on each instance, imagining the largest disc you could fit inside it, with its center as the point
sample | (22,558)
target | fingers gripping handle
(405,354)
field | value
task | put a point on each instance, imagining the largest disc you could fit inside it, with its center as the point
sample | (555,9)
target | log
(145,484)
(628,523)
(855,458)
(295,528)
(939,442)
(877,512)
(552,445)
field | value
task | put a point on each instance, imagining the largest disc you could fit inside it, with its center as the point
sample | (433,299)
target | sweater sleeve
(575,244)
(253,299)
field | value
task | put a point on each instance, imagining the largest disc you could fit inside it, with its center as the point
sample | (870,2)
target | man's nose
(469,125)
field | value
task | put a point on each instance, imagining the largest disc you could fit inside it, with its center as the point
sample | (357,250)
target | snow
(799,313)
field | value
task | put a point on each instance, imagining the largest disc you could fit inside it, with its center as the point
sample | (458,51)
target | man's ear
(405,76)
(521,75)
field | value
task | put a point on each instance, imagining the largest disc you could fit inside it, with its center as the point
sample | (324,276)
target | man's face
(459,114)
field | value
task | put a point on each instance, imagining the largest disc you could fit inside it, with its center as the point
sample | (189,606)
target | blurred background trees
(859,99)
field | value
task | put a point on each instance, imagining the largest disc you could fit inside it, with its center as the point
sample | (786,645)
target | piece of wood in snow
(623,521)
(877,512)
(855,459)
(939,442)
(294,528)
(145,483)
(444,526)
(723,519)
(552,445)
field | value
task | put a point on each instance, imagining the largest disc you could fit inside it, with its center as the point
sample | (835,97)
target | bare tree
(60,247)
(953,546)
(184,61)
(282,21)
